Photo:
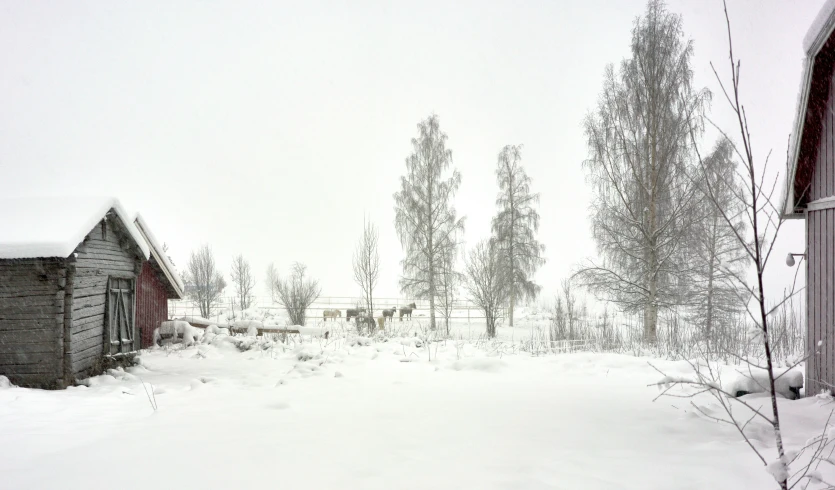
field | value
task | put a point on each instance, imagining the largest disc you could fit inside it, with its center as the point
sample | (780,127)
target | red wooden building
(157,283)
(810,194)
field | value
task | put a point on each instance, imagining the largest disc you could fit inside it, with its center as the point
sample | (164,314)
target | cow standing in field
(407,311)
(334,314)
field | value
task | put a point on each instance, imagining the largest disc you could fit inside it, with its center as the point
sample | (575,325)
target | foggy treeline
(668,222)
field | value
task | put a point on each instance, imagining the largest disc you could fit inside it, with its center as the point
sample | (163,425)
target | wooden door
(120,331)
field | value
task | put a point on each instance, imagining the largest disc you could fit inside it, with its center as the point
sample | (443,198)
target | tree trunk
(651,309)
(510,310)
(710,272)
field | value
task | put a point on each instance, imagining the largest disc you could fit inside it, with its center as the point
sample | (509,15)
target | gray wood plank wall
(820,270)
(31,320)
(100,256)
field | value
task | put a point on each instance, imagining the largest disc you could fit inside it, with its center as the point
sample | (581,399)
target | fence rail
(227,308)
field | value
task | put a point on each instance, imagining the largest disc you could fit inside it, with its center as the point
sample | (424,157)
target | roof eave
(169,274)
(790,211)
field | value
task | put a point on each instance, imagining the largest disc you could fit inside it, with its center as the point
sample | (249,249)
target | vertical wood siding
(99,256)
(823,174)
(820,269)
(31,319)
(151,303)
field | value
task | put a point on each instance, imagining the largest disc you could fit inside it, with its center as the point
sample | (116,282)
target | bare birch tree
(297,293)
(718,256)
(366,265)
(207,283)
(272,278)
(762,212)
(571,312)
(487,282)
(450,279)
(243,281)
(639,145)
(425,218)
(515,227)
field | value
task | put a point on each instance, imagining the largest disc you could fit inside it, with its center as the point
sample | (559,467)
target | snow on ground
(355,413)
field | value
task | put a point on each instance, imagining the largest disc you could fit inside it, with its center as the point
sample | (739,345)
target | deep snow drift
(356,413)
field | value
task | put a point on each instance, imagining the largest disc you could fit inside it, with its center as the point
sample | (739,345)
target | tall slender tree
(366,265)
(206,281)
(719,257)
(486,281)
(425,219)
(515,227)
(639,142)
(272,279)
(450,279)
(244,282)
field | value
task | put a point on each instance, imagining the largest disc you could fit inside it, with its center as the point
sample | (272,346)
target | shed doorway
(119,333)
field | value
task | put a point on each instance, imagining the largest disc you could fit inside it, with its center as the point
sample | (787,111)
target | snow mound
(4,382)
(104,379)
(307,352)
(176,328)
(486,364)
(249,326)
(121,375)
(787,384)
(360,342)
(197,321)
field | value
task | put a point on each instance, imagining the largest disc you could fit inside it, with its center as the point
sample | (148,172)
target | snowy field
(351,413)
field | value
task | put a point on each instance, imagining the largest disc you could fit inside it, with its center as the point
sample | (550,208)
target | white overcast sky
(273,128)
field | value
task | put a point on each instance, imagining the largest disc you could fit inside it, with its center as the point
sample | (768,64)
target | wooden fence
(227,307)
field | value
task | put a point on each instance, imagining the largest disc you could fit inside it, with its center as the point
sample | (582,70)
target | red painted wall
(151,304)
(823,174)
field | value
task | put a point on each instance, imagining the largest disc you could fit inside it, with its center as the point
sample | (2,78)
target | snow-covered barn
(68,286)
(810,193)
(157,283)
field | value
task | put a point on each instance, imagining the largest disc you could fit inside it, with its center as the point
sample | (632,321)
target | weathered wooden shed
(68,271)
(810,194)
(157,283)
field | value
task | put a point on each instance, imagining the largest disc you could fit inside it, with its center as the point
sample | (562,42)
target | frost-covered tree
(243,281)
(719,259)
(425,218)
(297,293)
(515,227)
(450,279)
(207,283)
(366,265)
(487,282)
(639,143)
(272,278)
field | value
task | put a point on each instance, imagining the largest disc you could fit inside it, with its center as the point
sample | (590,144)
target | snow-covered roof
(54,226)
(161,257)
(817,35)
(820,29)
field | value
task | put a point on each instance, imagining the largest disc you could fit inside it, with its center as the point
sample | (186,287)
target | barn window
(104,229)
(120,314)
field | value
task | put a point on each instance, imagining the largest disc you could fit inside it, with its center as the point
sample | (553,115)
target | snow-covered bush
(307,352)
(787,384)
(360,341)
